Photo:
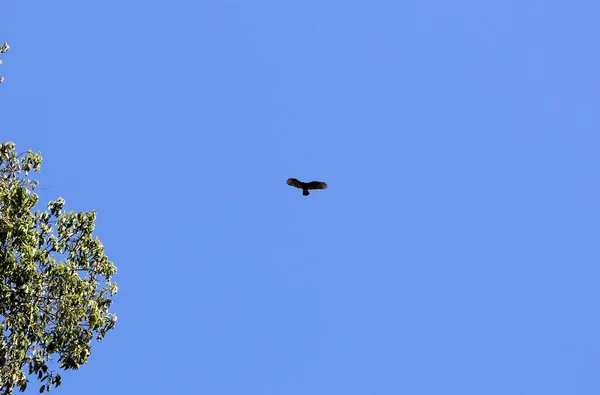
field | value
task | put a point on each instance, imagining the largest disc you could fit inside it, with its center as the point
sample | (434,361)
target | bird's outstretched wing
(315,185)
(295,183)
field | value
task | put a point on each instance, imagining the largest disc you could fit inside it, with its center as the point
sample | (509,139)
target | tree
(3,48)
(55,280)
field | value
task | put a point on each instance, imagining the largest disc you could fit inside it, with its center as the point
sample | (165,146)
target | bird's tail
(305,192)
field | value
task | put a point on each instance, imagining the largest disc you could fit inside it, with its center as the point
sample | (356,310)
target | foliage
(3,48)
(55,280)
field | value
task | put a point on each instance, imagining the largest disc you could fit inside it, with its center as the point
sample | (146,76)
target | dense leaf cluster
(55,280)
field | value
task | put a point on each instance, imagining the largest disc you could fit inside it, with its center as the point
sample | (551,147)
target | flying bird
(305,186)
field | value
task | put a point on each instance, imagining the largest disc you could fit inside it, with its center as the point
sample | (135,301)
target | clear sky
(456,250)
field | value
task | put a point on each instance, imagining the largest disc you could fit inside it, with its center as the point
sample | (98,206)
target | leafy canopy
(55,280)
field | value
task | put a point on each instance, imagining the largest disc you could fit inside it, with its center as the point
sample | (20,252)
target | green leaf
(57,283)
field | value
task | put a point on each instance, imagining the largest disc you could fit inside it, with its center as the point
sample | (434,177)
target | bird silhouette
(305,186)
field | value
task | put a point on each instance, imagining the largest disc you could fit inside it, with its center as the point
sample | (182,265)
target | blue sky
(456,250)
